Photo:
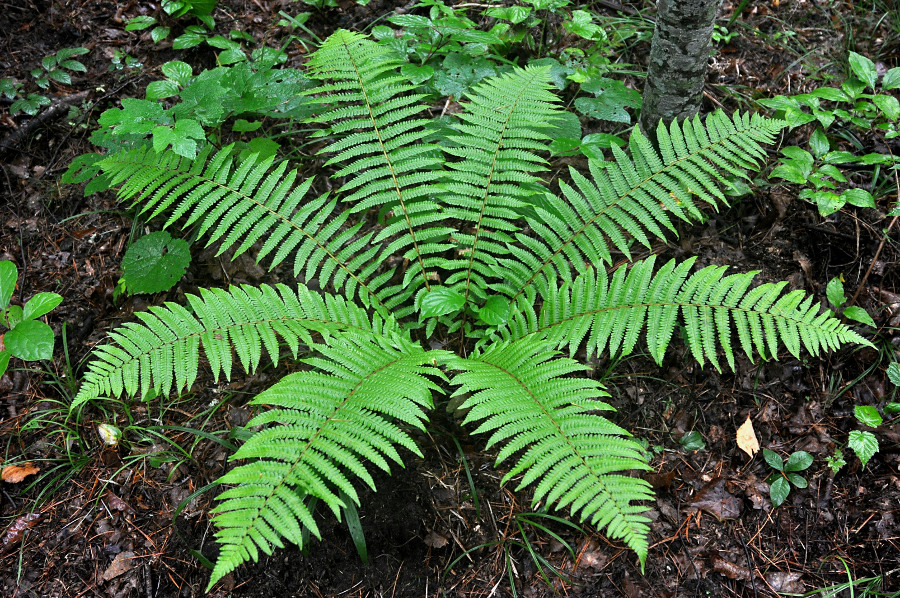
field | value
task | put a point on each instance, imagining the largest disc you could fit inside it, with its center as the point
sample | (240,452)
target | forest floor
(116,522)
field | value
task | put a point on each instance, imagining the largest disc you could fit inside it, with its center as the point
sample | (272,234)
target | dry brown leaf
(436,540)
(746,438)
(717,501)
(14,474)
(123,563)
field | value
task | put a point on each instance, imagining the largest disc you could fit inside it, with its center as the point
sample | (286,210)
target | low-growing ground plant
(437,269)
(22,333)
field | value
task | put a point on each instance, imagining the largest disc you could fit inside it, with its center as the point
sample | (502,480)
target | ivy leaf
(863,68)
(8,275)
(30,340)
(154,263)
(41,304)
(440,301)
(779,491)
(868,415)
(864,444)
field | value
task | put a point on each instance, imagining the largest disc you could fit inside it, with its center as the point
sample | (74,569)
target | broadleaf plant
(459,245)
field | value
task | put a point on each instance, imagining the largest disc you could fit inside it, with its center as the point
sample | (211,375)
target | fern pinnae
(329,421)
(522,393)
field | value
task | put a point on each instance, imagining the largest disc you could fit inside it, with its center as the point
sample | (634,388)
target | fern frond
(255,201)
(522,393)
(611,312)
(162,353)
(503,129)
(380,145)
(329,422)
(633,196)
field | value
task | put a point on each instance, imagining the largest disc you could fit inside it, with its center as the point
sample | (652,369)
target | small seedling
(26,337)
(786,474)
(863,442)
(155,263)
(835,293)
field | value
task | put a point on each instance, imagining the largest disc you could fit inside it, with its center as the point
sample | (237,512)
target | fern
(453,230)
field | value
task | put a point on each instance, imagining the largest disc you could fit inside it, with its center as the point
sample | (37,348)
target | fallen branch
(55,110)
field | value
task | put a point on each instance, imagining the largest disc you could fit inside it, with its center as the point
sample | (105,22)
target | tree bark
(678,60)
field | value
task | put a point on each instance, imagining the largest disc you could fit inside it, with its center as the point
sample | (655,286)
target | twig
(50,113)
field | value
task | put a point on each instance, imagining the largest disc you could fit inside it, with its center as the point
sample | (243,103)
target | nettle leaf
(440,301)
(8,275)
(30,340)
(41,304)
(154,263)
(864,69)
(864,444)
(868,415)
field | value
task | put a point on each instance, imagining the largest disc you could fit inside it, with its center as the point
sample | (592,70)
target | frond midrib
(590,222)
(387,160)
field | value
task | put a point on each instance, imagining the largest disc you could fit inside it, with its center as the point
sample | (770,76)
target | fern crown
(442,238)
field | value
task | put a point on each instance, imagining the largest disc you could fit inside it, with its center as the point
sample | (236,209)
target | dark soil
(117,522)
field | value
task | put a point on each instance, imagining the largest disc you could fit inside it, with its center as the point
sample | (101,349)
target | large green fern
(467,237)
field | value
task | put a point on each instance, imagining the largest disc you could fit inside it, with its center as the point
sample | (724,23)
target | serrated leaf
(417,74)
(41,304)
(30,340)
(864,444)
(8,275)
(160,90)
(495,311)
(798,461)
(154,263)
(773,459)
(177,71)
(863,68)
(835,293)
(440,301)
(868,415)
(860,315)
(779,491)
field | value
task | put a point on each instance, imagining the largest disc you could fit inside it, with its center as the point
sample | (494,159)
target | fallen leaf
(729,569)
(14,534)
(746,438)
(123,563)
(715,500)
(785,583)
(436,540)
(13,474)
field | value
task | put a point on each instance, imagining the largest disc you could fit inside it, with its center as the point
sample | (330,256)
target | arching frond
(255,201)
(611,312)
(162,353)
(380,145)
(502,130)
(523,394)
(328,423)
(632,196)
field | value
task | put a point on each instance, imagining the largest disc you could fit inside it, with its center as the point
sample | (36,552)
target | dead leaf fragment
(436,540)
(13,474)
(717,501)
(123,563)
(746,438)
(15,531)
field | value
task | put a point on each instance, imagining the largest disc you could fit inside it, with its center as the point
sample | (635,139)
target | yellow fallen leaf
(746,438)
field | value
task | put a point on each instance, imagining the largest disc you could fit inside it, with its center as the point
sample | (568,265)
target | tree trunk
(678,59)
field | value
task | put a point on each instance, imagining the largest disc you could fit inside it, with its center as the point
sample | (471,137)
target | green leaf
(177,71)
(797,480)
(818,143)
(4,359)
(14,315)
(893,372)
(892,408)
(158,34)
(860,315)
(889,105)
(828,202)
(440,301)
(459,72)
(863,68)
(773,459)
(417,74)
(495,311)
(891,79)
(73,65)
(140,22)
(779,491)
(160,90)
(189,39)
(155,262)
(245,126)
(41,304)
(798,461)
(868,415)
(692,441)
(839,157)
(30,340)
(8,275)
(864,444)
(835,293)
(60,76)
